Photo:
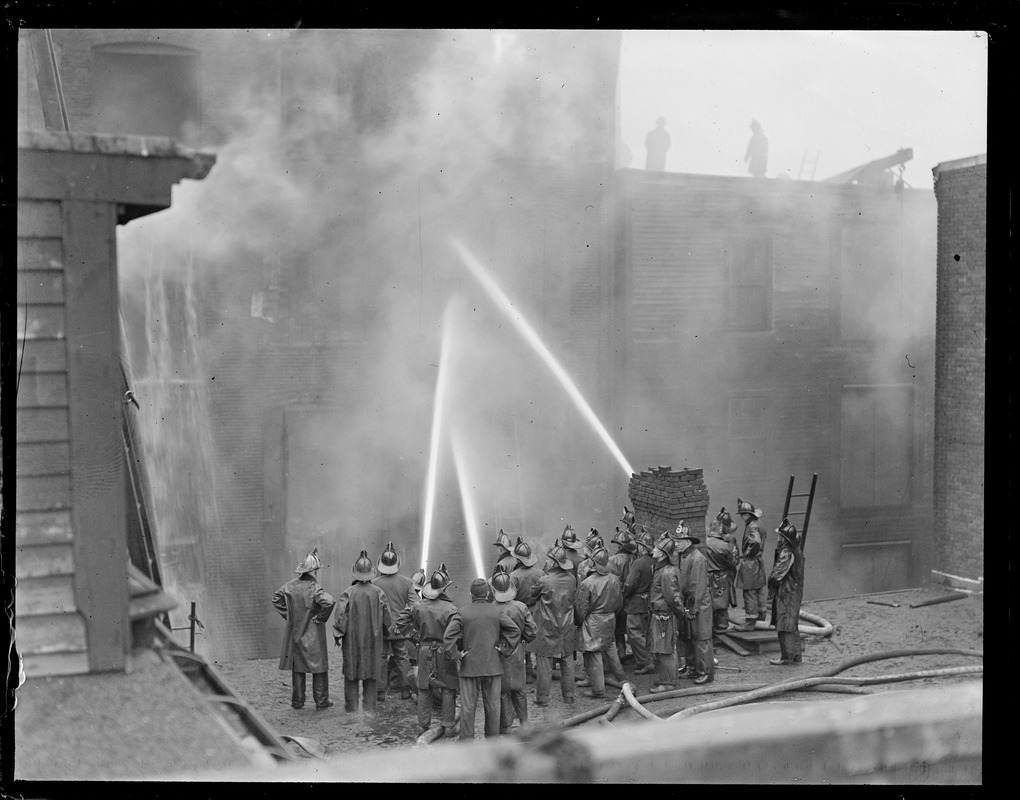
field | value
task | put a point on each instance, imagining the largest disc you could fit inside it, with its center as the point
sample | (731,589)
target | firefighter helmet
(437,584)
(628,518)
(788,532)
(625,539)
(504,541)
(504,588)
(681,530)
(600,559)
(363,569)
(746,507)
(666,546)
(729,526)
(418,580)
(523,552)
(593,541)
(559,555)
(311,562)
(389,562)
(644,540)
(569,539)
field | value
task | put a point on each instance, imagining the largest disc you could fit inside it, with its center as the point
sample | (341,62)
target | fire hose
(819,627)
(437,731)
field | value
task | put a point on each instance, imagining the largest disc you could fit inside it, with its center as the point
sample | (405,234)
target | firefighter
(619,565)
(475,636)
(696,614)
(729,530)
(629,520)
(751,570)
(551,601)
(572,546)
(306,606)
(424,624)
(664,603)
(635,600)
(418,582)
(400,593)
(525,574)
(721,559)
(513,689)
(361,623)
(598,599)
(592,542)
(786,591)
(505,557)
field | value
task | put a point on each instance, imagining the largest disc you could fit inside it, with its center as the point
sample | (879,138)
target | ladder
(806,513)
(804,161)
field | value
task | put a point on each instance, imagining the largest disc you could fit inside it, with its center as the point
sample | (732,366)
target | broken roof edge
(901,156)
(959,163)
(118,145)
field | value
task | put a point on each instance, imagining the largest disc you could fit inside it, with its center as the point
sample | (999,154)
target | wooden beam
(95,413)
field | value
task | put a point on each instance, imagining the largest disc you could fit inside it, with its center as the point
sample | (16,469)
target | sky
(828,101)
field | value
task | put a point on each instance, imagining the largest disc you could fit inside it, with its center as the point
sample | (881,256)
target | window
(870,282)
(876,445)
(748,414)
(147,90)
(749,284)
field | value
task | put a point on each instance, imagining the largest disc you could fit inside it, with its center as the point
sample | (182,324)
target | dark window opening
(146,90)
(749,284)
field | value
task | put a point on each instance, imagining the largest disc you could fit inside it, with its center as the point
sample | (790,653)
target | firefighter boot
(320,690)
(297,697)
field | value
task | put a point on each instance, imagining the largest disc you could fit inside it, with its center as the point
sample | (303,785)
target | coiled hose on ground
(822,681)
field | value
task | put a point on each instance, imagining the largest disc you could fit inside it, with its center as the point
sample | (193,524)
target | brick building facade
(960,188)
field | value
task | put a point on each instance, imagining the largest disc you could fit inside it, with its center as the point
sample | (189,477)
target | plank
(51,633)
(42,527)
(35,596)
(732,645)
(40,287)
(42,425)
(43,390)
(45,458)
(42,355)
(42,560)
(46,664)
(41,321)
(44,493)
(39,254)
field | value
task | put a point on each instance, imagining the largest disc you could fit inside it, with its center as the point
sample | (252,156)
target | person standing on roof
(400,593)
(657,143)
(757,155)
(361,623)
(306,607)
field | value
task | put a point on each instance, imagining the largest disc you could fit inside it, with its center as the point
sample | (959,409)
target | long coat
(525,578)
(598,599)
(514,678)
(788,571)
(721,560)
(751,572)
(362,618)
(619,565)
(400,594)
(695,594)
(637,584)
(480,629)
(424,623)
(664,600)
(306,606)
(552,605)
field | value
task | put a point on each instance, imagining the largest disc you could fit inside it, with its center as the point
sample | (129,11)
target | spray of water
(437,421)
(534,340)
(467,498)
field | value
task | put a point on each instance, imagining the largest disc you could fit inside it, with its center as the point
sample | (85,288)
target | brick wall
(662,496)
(960,189)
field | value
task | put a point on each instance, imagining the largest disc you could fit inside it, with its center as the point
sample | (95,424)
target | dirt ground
(859,628)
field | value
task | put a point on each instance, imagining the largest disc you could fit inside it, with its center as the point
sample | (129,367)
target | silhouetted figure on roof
(657,142)
(757,154)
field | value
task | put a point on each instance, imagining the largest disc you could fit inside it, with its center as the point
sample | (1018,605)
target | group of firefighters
(662,598)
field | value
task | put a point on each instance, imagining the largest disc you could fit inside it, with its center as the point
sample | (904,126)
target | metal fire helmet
(389,562)
(645,540)
(504,541)
(746,507)
(418,579)
(667,547)
(623,538)
(310,564)
(523,552)
(364,569)
(500,568)
(569,539)
(438,583)
(682,530)
(788,532)
(559,555)
(593,540)
(600,558)
(504,588)
(628,518)
(729,526)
